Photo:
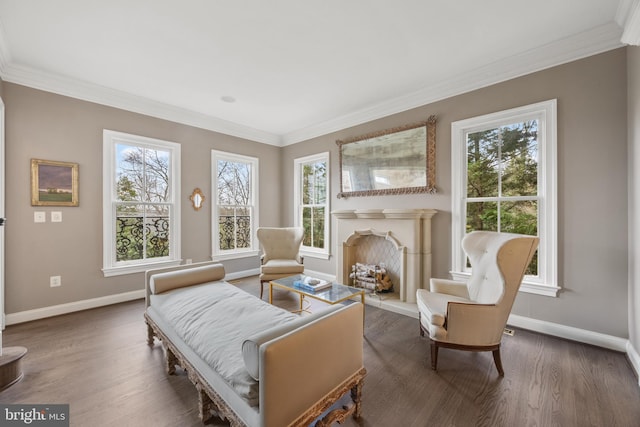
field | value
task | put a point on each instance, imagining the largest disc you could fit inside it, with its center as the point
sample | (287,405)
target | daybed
(252,363)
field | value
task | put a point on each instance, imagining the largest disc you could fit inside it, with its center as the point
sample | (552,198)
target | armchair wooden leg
(261,288)
(434,355)
(498,361)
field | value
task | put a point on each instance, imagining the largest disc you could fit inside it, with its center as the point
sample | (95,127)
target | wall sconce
(197,199)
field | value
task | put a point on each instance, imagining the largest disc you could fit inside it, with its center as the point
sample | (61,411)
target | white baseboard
(634,357)
(319,275)
(242,274)
(569,332)
(56,310)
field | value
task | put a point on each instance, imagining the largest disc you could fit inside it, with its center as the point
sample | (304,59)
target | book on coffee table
(312,285)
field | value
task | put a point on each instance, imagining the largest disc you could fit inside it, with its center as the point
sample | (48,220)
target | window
(504,179)
(235,208)
(311,204)
(141,203)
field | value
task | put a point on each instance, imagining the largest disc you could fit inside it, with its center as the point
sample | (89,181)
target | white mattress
(214,320)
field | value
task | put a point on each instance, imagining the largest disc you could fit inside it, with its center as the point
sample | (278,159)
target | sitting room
(153,150)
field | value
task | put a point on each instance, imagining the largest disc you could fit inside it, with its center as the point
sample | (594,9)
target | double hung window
(235,209)
(141,208)
(311,203)
(504,179)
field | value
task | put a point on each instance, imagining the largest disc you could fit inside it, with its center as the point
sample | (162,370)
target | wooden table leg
(270,293)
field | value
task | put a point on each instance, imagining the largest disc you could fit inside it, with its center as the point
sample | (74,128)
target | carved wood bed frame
(210,402)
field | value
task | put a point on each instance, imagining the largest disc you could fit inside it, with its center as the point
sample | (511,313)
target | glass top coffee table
(334,294)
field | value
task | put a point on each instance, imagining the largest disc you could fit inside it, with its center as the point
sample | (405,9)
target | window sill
(137,268)
(528,287)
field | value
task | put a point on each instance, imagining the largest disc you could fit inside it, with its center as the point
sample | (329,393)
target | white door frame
(2,213)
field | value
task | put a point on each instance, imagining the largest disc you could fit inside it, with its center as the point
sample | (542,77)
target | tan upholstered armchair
(280,253)
(472,316)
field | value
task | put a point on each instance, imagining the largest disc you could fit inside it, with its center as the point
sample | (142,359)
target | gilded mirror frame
(197,199)
(393,137)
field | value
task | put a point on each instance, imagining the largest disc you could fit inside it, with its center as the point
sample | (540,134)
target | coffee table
(335,294)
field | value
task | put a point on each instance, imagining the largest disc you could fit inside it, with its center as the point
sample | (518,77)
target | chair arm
(262,259)
(449,287)
(474,324)
(300,368)
(300,259)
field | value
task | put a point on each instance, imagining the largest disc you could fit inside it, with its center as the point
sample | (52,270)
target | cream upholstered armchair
(280,253)
(472,316)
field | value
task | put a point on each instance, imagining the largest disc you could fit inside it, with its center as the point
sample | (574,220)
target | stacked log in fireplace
(373,277)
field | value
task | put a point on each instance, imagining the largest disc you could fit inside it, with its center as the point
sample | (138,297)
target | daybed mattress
(213,321)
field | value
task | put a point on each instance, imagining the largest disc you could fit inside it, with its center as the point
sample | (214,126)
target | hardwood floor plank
(98,362)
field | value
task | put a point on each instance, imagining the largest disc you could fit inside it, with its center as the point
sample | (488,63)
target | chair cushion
(282,266)
(433,306)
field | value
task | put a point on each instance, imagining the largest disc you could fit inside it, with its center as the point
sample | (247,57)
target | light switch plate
(56,216)
(39,216)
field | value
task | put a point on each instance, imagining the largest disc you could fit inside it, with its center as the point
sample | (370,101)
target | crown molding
(628,17)
(592,42)
(5,56)
(623,11)
(86,91)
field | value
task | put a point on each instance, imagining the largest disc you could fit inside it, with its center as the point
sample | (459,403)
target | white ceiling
(297,69)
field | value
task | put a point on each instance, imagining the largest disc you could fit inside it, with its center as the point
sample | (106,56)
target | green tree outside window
(502,181)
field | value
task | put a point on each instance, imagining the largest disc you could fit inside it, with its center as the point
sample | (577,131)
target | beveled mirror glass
(393,161)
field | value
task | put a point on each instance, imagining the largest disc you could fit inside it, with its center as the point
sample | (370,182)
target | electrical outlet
(55,281)
(39,216)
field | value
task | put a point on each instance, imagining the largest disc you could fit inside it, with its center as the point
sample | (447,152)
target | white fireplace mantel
(410,230)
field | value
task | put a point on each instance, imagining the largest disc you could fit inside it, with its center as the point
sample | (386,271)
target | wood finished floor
(98,362)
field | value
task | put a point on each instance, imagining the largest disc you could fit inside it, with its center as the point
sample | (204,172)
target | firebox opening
(377,265)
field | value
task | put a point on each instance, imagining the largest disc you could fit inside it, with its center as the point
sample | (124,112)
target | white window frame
(297,204)
(112,267)
(546,283)
(217,254)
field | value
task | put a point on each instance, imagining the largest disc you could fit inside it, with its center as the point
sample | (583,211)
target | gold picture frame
(400,160)
(54,183)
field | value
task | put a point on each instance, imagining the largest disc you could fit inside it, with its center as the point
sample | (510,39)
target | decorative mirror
(401,160)
(197,199)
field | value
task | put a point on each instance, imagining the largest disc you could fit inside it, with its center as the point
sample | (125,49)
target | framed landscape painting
(54,183)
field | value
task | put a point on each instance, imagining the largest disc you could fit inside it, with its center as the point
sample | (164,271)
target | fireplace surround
(408,231)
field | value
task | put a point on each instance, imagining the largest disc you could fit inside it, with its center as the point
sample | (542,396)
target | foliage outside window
(311,189)
(504,180)
(141,210)
(235,207)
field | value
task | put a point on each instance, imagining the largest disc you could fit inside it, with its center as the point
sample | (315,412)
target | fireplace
(404,235)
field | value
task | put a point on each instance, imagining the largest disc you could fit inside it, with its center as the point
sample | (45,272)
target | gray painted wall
(53,127)
(592,184)
(592,153)
(633,100)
